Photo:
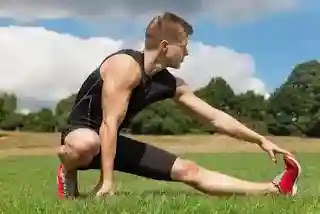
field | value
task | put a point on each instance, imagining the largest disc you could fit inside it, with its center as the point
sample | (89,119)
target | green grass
(27,185)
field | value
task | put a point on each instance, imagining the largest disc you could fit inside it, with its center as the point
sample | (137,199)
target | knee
(186,171)
(86,149)
(83,146)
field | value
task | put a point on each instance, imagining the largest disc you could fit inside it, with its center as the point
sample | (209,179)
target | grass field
(27,179)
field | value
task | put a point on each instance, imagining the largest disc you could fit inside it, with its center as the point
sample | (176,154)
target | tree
(12,121)
(8,104)
(250,108)
(293,108)
(42,121)
(217,93)
(63,109)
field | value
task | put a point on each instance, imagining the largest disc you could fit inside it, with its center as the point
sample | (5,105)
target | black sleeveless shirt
(87,109)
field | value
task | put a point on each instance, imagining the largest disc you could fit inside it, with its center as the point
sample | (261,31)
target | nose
(186,52)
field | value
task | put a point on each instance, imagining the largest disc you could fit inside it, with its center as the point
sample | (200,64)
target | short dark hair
(164,27)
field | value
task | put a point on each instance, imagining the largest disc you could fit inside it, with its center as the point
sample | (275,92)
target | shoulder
(122,67)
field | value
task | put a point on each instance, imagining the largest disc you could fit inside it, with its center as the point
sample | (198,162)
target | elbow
(219,125)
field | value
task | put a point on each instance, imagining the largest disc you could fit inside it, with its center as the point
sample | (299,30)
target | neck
(152,62)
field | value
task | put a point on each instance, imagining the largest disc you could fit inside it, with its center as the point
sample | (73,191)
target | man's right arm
(120,76)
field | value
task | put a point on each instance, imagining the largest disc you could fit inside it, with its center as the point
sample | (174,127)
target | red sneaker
(66,187)
(287,180)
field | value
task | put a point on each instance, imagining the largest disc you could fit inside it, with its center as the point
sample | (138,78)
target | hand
(272,149)
(103,189)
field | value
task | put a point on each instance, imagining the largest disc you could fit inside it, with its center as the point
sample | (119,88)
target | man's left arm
(222,121)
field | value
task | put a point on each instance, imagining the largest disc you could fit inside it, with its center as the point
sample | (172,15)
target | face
(174,52)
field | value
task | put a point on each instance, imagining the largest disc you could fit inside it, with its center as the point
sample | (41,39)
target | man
(125,83)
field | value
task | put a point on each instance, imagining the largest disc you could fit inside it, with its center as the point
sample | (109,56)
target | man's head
(168,34)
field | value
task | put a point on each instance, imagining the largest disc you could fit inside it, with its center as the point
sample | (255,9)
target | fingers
(104,194)
(272,156)
(272,152)
(284,152)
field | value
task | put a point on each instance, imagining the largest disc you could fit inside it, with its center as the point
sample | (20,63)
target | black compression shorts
(136,158)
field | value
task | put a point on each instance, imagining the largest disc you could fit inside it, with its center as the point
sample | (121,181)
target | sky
(49,47)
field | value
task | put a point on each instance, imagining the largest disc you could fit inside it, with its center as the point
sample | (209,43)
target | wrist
(106,182)
(260,140)
(106,177)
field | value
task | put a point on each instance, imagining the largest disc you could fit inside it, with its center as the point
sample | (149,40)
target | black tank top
(87,109)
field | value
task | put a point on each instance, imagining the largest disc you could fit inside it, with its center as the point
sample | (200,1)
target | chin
(176,66)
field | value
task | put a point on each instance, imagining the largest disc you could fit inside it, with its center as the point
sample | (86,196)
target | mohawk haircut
(165,27)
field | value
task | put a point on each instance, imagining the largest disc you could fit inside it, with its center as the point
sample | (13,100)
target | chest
(159,88)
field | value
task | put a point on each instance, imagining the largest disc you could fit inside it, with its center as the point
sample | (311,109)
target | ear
(164,45)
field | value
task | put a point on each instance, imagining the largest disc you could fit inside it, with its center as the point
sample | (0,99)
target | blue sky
(276,40)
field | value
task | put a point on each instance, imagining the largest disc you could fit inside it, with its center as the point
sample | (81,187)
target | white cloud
(43,66)
(220,10)
(205,62)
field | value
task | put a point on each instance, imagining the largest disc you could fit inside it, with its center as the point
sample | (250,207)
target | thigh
(140,159)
